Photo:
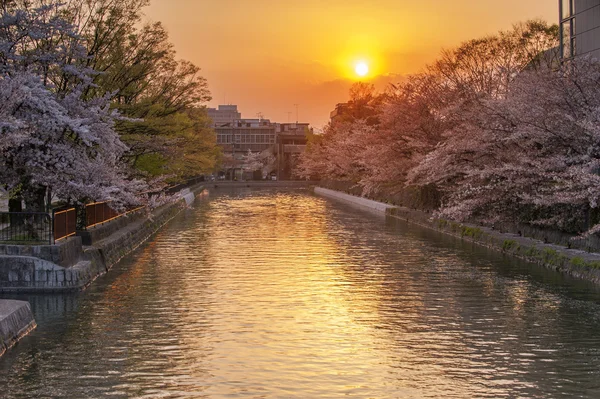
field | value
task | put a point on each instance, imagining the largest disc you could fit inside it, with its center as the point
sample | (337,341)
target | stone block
(40,275)
(13,250)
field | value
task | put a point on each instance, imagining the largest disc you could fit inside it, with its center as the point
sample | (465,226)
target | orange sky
(267,55)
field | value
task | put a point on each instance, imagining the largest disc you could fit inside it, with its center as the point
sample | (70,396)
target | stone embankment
(76,262)
(574,262)
(16,321)
(70,265)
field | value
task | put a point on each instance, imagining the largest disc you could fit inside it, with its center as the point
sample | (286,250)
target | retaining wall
(16,321)
(574,262)
(70,266)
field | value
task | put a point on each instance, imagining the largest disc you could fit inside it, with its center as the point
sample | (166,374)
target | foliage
(160,97)
(532,156)
(504,131)
(52,138)
(258,161)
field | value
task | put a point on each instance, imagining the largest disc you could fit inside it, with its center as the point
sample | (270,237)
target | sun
(361,69)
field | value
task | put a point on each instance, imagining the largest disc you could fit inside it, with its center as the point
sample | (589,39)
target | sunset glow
(361,69)
(306,52)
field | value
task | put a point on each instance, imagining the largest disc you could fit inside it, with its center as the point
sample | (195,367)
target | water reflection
(282,294)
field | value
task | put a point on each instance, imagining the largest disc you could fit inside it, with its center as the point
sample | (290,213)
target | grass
(508,245)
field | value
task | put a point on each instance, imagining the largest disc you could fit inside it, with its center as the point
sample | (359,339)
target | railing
(38,227)
(101,212)
(65,224)
(25,227)
(98,213)
(187,183)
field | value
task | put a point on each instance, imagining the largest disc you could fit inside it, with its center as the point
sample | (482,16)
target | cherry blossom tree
(263,161)
(533,156)
(52,139)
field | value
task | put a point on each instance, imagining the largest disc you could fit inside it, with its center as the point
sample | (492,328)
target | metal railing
(25,228)
(65,223)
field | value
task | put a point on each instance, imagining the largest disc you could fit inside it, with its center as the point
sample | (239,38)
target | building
(291,142)
(280,142)
(224,114)
(243,135)
(238,137)
(580,28)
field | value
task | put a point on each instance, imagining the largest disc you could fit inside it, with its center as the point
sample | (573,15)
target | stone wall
(575,262)
(64,253)
(360,201)
(69,266)
(16,321)
(427,199)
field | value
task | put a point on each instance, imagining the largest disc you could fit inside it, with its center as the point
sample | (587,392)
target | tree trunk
(34,197)
(15,205)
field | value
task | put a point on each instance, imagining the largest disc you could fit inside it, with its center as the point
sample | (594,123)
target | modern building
(279,142)
(243,135)
(224,114)
(291,142)
(580,28)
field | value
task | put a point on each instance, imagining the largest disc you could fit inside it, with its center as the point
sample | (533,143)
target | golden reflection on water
(266,294)
(297,316)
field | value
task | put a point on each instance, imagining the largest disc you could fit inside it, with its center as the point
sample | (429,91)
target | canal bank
(73,264)
(16,321)
(573,262)
(284,294)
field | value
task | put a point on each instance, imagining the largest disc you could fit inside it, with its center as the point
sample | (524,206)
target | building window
(566,9)
(567,29)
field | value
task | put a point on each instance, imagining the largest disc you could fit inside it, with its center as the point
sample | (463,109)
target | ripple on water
(281,294)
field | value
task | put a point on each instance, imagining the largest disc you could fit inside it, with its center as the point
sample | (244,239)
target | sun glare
(361,69)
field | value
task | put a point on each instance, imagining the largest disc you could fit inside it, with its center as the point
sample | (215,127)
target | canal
(281,294)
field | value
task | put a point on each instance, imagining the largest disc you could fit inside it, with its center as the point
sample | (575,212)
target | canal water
(280,294)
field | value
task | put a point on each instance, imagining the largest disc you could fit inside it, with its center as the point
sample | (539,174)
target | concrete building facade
(580,28)
(243,135)
(237,136)
(224,114)
(291,142)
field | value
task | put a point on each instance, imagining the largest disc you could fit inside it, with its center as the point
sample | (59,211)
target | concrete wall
(16,321)
(574,262)
(70,266)
(360,201)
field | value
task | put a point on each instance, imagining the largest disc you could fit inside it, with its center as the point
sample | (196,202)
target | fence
(65,224)
(37,227)
(99,212)
(25,227)
(187,183)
